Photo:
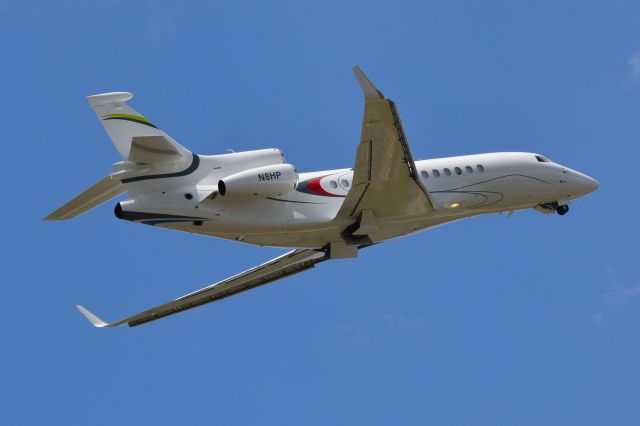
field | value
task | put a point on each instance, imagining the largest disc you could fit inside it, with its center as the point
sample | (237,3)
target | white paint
(324,214)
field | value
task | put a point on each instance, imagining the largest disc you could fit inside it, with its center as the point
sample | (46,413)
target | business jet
(256,197)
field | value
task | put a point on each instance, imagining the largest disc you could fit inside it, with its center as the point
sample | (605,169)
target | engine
(263,181)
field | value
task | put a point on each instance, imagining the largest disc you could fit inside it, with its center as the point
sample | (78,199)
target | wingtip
(93,319)
(370,91)
(51,216)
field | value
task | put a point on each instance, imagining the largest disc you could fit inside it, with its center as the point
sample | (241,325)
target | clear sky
(528,320)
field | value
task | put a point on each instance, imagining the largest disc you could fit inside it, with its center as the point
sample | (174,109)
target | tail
(142,146)
(124,125)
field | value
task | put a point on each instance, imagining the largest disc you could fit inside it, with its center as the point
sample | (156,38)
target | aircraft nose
(584,184)
(593,184)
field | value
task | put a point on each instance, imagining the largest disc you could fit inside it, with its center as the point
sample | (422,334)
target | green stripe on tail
(128,117)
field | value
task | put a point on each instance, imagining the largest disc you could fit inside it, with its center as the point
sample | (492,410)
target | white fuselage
(256,197)
(461,187)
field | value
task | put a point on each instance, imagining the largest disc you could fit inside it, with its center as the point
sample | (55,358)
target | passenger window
(344,183)
(424,174)
(447,171)
(435,172)
(469,169)
(458,170)
(333,184)
(480,167)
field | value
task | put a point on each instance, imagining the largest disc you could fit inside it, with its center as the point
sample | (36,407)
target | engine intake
(264,181)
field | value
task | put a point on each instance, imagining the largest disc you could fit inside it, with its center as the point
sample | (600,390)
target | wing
(288,264)
(385,179)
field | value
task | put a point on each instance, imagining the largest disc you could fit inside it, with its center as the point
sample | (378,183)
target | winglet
(370,91)
(93,319)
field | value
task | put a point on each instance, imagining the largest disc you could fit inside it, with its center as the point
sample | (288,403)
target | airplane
(256,197)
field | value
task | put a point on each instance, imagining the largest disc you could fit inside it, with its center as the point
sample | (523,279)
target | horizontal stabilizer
(102,191)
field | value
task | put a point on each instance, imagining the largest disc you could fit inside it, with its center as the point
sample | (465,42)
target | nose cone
(583,184)
(588,184)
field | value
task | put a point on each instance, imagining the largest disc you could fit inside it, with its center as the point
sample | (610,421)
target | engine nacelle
(264,181)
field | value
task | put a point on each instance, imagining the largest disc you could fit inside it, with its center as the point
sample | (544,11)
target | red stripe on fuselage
(314,185)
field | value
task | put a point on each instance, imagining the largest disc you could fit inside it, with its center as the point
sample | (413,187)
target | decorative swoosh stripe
(313,187)
(292,201)
(154,218)
(496,178)
(128,117)
(192,168)
(483,193)
(143,216)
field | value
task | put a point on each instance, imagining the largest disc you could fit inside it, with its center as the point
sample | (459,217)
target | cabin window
(424,174)
(458,170)
(435,172)
(344,183)
(447,171)
(469,169)
(480,168)
(333,184)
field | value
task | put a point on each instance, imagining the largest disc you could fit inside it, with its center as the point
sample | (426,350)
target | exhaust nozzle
(118,211)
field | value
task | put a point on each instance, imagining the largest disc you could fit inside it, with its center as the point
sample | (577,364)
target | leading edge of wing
(282,266)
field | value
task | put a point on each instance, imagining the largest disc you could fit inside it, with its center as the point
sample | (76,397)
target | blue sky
(531,320)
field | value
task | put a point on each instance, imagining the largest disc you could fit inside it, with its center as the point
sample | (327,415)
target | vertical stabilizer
(123,124)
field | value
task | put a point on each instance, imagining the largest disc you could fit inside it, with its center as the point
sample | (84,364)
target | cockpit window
(542,159)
